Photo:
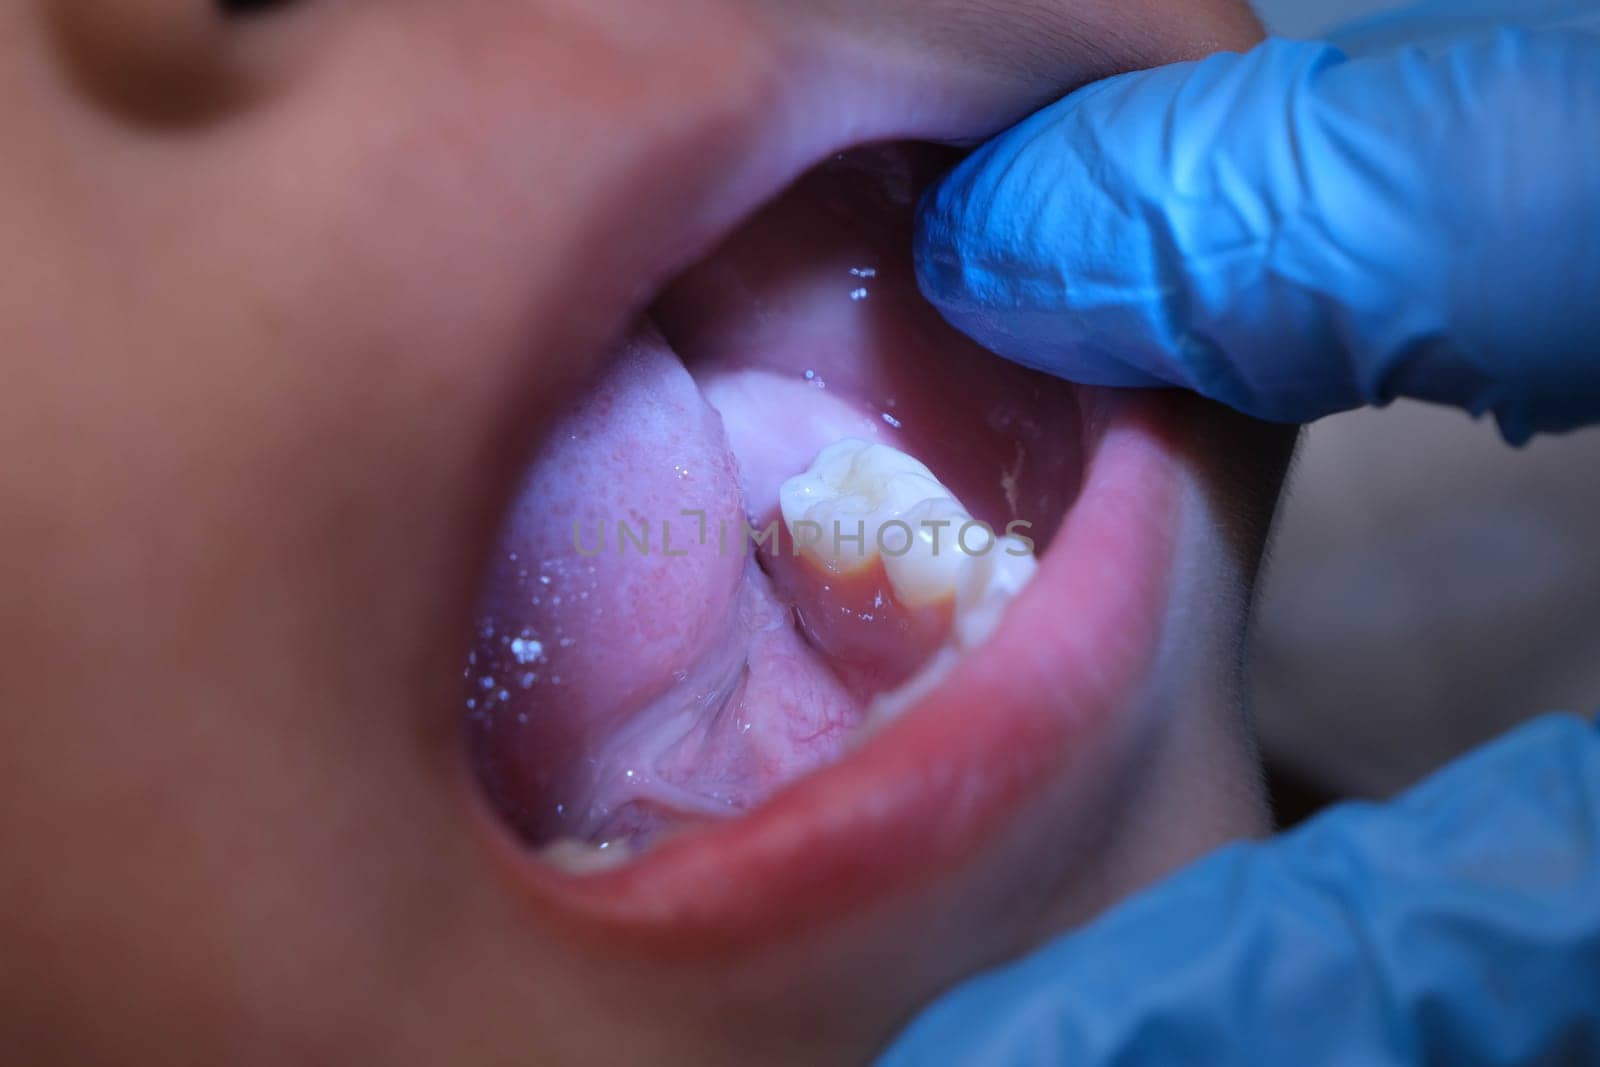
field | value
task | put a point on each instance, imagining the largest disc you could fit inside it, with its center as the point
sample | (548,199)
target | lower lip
(924,795)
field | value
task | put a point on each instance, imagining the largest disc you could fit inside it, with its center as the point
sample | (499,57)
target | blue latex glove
(1459,925)
(1294,232)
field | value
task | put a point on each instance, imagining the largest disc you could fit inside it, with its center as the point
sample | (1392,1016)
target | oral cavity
(819,622)
(775,521)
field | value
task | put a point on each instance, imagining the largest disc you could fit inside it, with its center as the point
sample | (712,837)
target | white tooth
(1005,569)
(835,510)
(864,501)
(933,568)
(580,857)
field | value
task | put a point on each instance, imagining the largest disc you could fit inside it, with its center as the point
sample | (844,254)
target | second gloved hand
(1293,232)
(1459,924)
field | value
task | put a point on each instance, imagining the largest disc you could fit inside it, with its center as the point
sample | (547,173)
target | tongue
(635,669)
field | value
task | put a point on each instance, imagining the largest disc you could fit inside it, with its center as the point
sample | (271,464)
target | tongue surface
(635,668)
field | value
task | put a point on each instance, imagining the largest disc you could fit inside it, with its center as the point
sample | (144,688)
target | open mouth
(695,715)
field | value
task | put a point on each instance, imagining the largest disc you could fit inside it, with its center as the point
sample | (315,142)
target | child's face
(285,301)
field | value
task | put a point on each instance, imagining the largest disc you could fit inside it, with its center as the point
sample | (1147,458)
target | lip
(976,763)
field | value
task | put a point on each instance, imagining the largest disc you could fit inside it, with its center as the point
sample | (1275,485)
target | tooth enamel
(836,510)
(580,857)
(981,602)
(932,549)
(934,568)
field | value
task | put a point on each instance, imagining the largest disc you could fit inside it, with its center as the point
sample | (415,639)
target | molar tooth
(865,501)
(835,509)
(999,576)
(933,568)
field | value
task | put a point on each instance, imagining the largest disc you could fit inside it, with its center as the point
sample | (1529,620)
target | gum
(873,642)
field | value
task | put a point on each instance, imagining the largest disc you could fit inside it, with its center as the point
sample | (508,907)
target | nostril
(164,63)
(250,7)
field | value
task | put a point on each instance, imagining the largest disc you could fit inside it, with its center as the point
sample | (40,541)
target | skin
(285,301)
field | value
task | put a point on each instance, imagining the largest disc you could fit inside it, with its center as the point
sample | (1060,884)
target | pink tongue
(633,668)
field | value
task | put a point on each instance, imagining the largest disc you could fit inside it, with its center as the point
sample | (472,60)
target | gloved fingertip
(1120,236)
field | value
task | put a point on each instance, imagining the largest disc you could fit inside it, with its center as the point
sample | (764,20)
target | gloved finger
(1294,233)
(1459,924)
